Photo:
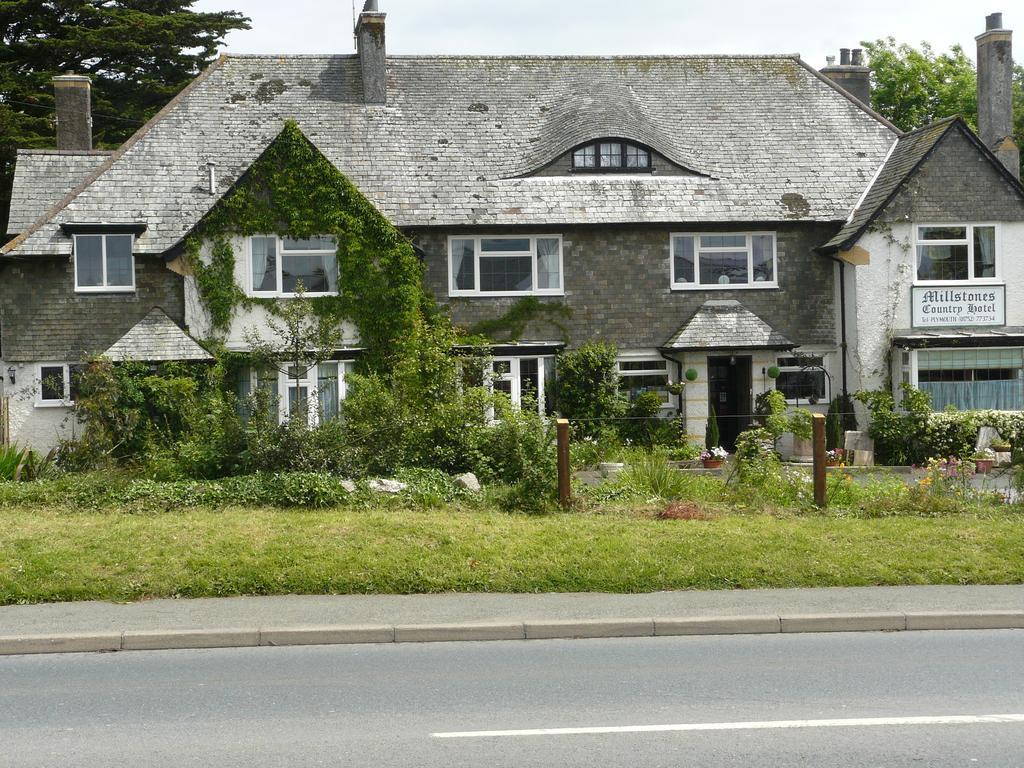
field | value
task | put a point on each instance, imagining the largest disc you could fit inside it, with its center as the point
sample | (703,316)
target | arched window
(611,156)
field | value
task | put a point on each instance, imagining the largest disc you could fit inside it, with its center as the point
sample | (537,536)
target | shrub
(711,433)
(651,477)
(644,427)
(770,407)
(588,386)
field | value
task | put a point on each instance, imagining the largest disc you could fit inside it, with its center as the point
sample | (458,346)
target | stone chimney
(851,74)
(74,111)
(372,56)
(995,92)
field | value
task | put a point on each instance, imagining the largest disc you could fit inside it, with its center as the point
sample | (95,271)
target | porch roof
(726,324)
(156,338)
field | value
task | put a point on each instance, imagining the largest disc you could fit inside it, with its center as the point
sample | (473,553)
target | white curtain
(263,257)
(1005,395)
(547,263)
(985,255)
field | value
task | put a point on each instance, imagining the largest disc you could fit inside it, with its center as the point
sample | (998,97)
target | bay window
(648,374)
(317,391)
(505,266)
(957,252)
(522,379)
(723,260)
(971,378)
(279,264)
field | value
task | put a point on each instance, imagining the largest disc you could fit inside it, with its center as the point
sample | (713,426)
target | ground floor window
(58,384)
(315,390)
(802,379)
(523,379)
(968,379)
(638,375)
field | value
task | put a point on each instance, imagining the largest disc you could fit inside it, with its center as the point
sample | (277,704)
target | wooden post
(564,493)
(818,422)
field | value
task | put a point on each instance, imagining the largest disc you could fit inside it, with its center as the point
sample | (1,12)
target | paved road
(382,705)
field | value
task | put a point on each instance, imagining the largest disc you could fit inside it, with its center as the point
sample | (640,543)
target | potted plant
(983,461)
(713,457)
(835,457)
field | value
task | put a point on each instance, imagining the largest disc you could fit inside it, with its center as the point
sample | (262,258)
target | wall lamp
(10,373)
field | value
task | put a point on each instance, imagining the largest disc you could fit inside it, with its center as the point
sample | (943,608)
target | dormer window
(611,157)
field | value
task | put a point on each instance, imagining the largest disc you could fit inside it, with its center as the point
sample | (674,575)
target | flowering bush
(716,453)
(947,477)
(835,456)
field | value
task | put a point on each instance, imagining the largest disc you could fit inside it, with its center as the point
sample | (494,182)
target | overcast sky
(603,27)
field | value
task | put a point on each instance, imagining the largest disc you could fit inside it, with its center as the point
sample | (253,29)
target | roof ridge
(851,98)
(117,154)
(520,57)
(932,124)
(65,152)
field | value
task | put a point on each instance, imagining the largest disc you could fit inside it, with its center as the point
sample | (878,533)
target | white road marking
(853,722)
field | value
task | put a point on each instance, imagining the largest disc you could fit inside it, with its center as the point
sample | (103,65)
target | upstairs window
(104,263)
(611,157)
(725,260)
(279,264)
(505,266)
(959,252)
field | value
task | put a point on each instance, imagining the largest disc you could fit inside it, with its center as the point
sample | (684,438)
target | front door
(729,386)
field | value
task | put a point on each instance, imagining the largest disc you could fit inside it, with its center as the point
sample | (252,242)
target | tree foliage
(139,54)
(912,87)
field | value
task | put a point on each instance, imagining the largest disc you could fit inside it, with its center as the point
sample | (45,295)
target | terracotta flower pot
(983,466)
(712,463)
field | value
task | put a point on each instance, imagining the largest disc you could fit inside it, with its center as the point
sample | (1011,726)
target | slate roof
(907,155)
(726,324)
(156,338)
(459,136)
(42,177)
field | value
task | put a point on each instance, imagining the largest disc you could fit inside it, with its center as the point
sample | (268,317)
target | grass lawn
(51,554)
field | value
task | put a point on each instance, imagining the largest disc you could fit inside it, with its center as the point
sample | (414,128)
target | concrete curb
(139,640)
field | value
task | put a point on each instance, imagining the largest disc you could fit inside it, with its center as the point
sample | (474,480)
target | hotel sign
(945,305)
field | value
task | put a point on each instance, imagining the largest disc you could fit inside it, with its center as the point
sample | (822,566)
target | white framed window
(610,156)
(278,264)
(522,379)
(956,253)
(711,261)
(58,384)
(974,378)
(802,379)
(320,389)
(638,375)
(514,265)
(104,263)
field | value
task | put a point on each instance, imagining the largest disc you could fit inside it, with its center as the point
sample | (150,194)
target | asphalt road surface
(868,699)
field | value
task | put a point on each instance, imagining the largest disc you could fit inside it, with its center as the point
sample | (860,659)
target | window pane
(636,157)
(723,241)
(611,155)
(89,260)
(119,260)
(643,365)
(264,264)
(984,251)
(327,390)
(52,382)
(529,380)
(318,273)
(75,373)
(723,268)
(298,401)
(509,273)
(548,272)
(318,243)
(501,367)
(764,258)
(584,157)
(942,233)
(682,254)
(802,385)
(463,265)
(505,244)
(942,262)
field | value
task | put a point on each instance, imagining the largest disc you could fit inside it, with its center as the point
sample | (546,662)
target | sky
(602,27)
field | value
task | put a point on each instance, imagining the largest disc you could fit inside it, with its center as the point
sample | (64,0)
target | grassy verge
(49,554)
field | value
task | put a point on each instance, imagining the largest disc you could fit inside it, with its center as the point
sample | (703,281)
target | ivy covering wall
(294,191)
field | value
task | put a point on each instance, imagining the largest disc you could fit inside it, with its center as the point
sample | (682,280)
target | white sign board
(946,305)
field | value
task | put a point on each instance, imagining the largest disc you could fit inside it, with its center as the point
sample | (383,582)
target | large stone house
(715,217)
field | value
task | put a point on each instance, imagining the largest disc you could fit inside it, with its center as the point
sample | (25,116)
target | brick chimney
(851,74)
(74,111)
(995,92)
(372,56)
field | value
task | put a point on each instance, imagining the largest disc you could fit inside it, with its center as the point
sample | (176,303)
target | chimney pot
(72,97)
(858,57)
(830,61)
(844,57)
(993,21)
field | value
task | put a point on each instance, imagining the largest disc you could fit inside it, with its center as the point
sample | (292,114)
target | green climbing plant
(294,191)
(512,324)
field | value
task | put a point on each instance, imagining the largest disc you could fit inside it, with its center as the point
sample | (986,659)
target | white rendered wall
(879,296)
(33,426)
(254,321)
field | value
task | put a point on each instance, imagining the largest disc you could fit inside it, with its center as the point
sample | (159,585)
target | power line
(94,114)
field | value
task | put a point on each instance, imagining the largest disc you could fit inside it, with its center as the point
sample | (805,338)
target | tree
(139,54)
(913,87)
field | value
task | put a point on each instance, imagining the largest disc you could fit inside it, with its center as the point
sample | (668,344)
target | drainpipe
(842,317)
